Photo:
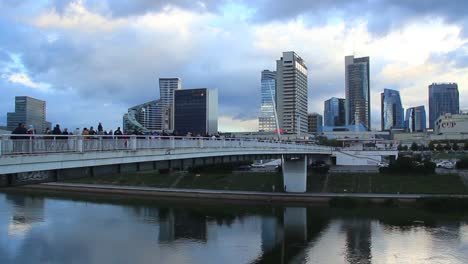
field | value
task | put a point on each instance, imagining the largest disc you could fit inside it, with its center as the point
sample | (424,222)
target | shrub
(431,146)
(409,165)
(414,146)
(462,164)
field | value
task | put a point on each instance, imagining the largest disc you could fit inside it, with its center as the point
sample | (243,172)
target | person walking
(20,130)
(118,132)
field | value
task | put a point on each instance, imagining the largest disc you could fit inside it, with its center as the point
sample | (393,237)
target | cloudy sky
(92,59)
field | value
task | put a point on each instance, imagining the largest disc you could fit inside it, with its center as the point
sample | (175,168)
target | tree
(414,146)
(448,146)
(455,147)
(431,146)
(405,147)
(400,147)
(439,147)
(465,147)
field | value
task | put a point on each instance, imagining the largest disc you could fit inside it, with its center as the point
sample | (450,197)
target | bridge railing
(36,144)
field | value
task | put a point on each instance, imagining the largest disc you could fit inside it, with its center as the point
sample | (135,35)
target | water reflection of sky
(37,230)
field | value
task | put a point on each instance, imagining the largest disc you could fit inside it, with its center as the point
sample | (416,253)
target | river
(45,229)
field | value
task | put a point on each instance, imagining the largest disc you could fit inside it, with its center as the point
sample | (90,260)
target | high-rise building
(415,120)
(314,123)
(357,85)
(291,93)
(267,118)
(334,113)
(443,99)
(143,117)
(392,114)
(167,86)
(29,111)
(196,111)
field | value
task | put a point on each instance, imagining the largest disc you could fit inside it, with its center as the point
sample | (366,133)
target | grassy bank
(245,181)
(248,181)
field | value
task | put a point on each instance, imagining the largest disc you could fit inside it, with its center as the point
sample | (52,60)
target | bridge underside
(293,175)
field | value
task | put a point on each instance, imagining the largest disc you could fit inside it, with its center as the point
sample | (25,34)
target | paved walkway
(206,193)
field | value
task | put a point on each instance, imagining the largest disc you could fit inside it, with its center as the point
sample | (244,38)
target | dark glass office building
(415,120)
(357,85)
(334,113)
(29,111)
(196,111)
(443,99)
(392,115)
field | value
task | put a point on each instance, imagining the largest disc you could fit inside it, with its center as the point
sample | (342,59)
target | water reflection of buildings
(358,240)
(287,234)
(174,224)
(26,211)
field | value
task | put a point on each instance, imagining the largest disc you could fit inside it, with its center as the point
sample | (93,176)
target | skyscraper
(267,120)
(392,115)
(443,98)
(314,123)
(334,113)
(415,120)
(167,86)
(196,111)
(291,93)
(357,85)
(29,111)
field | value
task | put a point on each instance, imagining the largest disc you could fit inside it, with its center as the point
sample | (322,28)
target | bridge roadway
(41,158)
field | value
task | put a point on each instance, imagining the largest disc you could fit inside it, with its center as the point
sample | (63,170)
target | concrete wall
(295,174)
(24,178)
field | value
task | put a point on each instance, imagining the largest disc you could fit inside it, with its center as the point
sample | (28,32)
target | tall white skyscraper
(167,86)
(357,85)
(267,119)
(291,93)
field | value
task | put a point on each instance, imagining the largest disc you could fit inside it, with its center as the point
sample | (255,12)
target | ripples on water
(46,230)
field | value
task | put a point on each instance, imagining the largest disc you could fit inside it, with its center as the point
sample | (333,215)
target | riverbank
(348,200)
(272,182)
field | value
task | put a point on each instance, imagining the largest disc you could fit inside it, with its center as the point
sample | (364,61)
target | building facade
(334,113)
(291,93)
(29,111)
(196,111)
(267,118)
(415,120)
(449,124)
(314,123)
(143,117)
(443,99)
(392,115)
(167,86)
(357,85)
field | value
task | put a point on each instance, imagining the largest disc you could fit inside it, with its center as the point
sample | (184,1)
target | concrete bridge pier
(295,173)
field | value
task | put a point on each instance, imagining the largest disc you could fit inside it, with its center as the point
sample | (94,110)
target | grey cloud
(457,58)
(382,15)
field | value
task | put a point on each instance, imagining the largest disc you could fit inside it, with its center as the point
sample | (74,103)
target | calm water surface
(53,230)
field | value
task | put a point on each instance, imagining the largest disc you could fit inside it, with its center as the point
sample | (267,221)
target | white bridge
(26,159)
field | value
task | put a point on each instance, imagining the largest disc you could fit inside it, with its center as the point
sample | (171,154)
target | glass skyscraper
(196,111)
(443,99)
(29,111)
(267,119)
(392,115)
(415,120)
(334,113)
(357,85)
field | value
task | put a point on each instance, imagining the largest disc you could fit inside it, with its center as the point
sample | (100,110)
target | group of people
(22,130)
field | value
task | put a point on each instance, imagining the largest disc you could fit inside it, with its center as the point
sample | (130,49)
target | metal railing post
(133,143)
(172,142)
(79,144)
(1,144)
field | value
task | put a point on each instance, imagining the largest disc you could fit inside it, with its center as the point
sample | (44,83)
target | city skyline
(63,54)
